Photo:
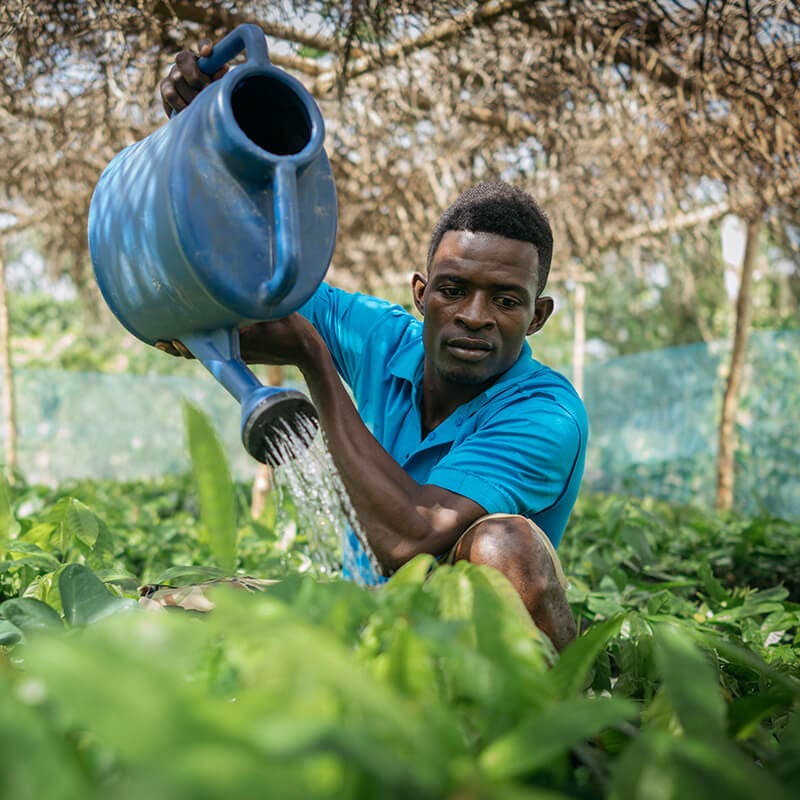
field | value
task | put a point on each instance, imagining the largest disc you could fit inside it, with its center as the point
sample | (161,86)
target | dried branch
(609,112)
(436,34)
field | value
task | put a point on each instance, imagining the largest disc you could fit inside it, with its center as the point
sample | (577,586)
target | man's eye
(508,302)
(450,291)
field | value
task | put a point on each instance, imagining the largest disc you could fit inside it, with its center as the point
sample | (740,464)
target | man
(462,444)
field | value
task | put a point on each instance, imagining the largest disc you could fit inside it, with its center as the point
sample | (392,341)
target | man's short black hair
(502,209)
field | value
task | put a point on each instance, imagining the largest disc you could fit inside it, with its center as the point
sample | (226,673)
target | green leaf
(21,546)
(737,654)
(661,766)
(551,733)
(61,533)
(28,614)
(410,663)
(571,671)
(189,574)
(712,585)
(786,764)
(10,634)
(84,597)
(82,522)
(36,759)
(116,575)
(214,486)
(691,683)
(41,563)
(745,714)
(415,571)
(40,534)
(454,592)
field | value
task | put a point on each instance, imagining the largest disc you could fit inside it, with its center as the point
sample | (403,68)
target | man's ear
(418,284)
(543,308)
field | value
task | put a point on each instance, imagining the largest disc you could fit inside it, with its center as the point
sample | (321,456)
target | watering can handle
(287,224)
(287,237)
(244,37)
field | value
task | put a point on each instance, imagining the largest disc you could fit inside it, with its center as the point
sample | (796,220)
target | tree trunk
(263,481)
(9,408)
(730,403)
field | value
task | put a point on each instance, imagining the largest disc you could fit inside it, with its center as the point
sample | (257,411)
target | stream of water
(325,514)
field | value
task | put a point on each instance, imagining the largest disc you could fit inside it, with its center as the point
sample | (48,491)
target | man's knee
(509,545)
(512,546)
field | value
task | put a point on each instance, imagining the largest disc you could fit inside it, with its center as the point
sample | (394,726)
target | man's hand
(290,340)
(185,81)
(282,341)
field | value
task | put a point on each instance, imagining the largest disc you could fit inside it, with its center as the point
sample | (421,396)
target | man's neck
(440,399)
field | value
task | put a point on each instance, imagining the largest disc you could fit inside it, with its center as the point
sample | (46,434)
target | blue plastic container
(224,216)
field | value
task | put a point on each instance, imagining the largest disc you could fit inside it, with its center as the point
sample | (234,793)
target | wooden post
(263,481)
(730,402)
(9,407)
(579,336)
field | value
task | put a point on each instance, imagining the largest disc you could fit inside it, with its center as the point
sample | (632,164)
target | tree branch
(444,31)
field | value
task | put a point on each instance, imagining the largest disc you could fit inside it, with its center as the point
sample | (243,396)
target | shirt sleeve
(519,460)
(347,321)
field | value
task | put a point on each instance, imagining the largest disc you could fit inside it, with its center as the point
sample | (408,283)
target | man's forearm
(398,516)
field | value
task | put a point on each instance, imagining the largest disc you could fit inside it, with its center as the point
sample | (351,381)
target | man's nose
(475,311)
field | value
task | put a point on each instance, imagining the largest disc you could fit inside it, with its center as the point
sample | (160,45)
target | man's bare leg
(509,545)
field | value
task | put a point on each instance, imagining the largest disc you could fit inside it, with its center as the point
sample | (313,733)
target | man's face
(478,304)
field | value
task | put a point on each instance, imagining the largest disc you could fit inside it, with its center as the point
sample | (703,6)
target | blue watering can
(224,216)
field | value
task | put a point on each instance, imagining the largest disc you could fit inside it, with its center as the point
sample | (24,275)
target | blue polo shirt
(516,448)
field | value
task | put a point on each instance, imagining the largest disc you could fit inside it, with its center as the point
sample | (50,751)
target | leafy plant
(684,680)
(214,486)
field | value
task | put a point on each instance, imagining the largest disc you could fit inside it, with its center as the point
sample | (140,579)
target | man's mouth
(468,348)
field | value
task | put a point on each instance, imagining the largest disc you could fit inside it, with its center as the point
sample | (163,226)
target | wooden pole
(730,403)
(579,337)
(9,407)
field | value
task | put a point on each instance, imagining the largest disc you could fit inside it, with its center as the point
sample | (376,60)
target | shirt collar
(526,364)
(407,361)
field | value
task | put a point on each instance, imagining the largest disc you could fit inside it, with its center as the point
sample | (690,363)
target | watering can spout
(277,423)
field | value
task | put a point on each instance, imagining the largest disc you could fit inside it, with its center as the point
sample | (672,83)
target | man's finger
(166,347)
(171,100)
(182,349)
(182,87)
(206,48)
(176,91)
(186,69)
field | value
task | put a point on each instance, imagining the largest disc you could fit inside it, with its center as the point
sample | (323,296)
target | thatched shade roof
(623,118)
